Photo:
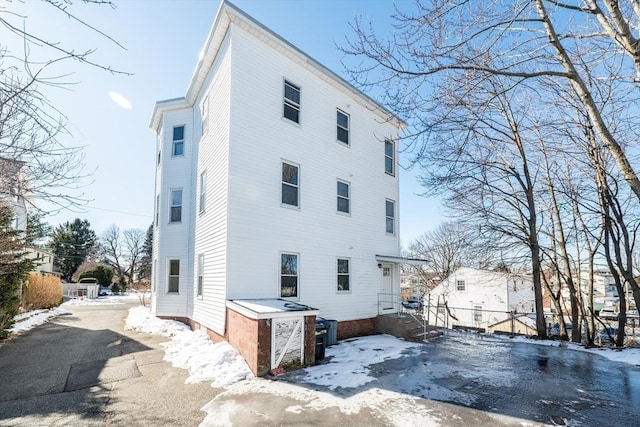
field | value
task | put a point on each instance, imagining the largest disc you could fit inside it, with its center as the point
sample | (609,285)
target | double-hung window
(461,285)
(477,313)
(178,141)
(389,157)
(343,275)
(200,274)
(291,102)
(174,276)
(203,191)
(343,127)
(344,197)
(290,185)
(175,211)
(288,275)
(390,214)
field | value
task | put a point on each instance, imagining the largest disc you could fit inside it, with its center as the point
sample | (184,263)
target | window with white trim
(175,210)
(288,275)
(389,157)
(461,285)
(344,282)
(200,274)
(390,215)
(290,184)
(477,313)
(344,197)
(343,127)
(178,141)
(173,282)
(203,192)
(291,102)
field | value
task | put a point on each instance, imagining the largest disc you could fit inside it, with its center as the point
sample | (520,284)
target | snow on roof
(269,308)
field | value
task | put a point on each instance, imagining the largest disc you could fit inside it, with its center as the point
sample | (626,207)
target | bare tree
(449,48)
(133,241)
(446,248)
(122,251)
(31,127)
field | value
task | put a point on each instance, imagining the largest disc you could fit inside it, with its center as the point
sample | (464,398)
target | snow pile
(348,365)
(218,363)
(140,319)
(113,299)
(31,319)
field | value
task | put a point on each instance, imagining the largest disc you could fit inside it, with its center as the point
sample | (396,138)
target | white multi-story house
(276,180)
(12,183)
(479,298)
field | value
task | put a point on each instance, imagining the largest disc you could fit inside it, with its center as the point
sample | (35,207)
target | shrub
(6,320)
(41,291)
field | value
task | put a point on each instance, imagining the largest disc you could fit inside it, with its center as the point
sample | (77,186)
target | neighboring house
(479,298)
(276,181)
(605,292)
(43,261)
(12,183)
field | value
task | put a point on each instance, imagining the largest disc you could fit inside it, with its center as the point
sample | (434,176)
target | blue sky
(163,39)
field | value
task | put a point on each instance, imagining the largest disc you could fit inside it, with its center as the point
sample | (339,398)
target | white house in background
(43,261)
(276,180)
(479,298)
(12,182)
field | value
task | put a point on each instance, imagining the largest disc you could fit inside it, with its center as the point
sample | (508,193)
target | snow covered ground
(348,369)
(345,382)
(30,319)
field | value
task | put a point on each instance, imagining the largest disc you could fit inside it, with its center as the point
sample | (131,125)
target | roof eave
(163,106)
(227,12)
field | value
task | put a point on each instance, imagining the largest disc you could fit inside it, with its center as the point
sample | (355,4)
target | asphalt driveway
(83,369)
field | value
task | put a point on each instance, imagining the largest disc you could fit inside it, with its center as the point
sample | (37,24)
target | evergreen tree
(144,269)
(103,273)
(37,230)
(71,243)
(14,269)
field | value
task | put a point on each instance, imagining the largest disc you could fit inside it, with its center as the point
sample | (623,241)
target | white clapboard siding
(244,228)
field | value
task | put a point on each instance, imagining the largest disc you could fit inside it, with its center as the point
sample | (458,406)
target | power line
(120,212)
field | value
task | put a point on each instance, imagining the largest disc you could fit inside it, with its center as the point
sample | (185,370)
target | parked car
(608,313)
(608,335)
(412,304)
(554,330)
(104,291)
(632,314)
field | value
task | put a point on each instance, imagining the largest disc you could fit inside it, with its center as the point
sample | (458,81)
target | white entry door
(387,287)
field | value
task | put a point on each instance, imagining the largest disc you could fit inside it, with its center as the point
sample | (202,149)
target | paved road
(83,369)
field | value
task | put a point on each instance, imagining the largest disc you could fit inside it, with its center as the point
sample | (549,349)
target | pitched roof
(228,14)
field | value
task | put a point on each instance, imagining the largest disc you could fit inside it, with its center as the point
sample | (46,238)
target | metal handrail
(395,301)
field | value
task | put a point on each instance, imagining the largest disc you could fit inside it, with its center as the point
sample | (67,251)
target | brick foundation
(214,336)
(252,339)
(356,328)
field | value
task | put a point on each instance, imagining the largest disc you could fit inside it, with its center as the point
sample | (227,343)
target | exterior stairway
(406,325)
